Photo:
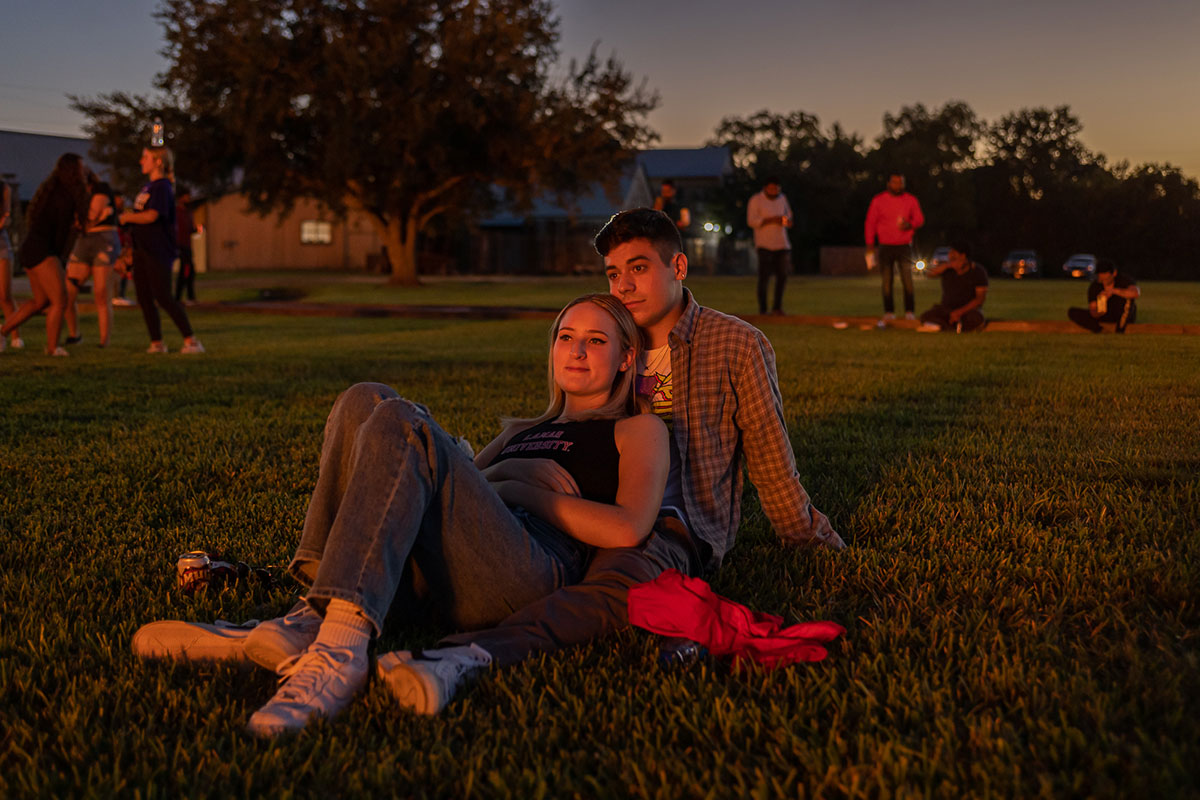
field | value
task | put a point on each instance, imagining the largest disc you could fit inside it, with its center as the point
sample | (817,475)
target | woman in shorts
(93,257)
(56,214)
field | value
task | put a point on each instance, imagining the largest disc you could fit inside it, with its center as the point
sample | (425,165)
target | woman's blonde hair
(166,159)
(623,400)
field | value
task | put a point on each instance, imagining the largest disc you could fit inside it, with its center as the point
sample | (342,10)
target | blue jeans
(395,490)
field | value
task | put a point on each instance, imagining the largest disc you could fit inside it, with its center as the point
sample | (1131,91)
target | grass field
(1020,589)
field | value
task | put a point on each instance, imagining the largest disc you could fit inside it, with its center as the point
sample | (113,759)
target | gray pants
(394,491)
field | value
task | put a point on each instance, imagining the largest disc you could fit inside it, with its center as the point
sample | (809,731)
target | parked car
(1021,264)
(1080,265)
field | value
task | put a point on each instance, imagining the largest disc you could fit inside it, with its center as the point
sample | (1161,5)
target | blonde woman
(152,225)
(396,494)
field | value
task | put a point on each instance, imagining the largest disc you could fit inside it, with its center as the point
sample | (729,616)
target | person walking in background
(1112,297)
(93,256)
(769,215)
(153,229)
(892,218)
(668,203)
(185,226)
(56,213)
(6,262)
(964,288)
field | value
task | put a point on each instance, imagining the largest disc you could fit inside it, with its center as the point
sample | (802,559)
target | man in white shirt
(769,215)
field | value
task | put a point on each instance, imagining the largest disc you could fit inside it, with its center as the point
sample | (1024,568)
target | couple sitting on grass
(534,546)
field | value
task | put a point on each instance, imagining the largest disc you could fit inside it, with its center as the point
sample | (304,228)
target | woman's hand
(540,472)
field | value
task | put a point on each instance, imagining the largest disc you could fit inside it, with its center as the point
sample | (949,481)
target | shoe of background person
(426,681)
(193,641)
(929,327)
(192,348)
(74,339)
(157,347)
(122,301)
(276,640)
(320,682)
(58,352)
(17,342)
(885,320)
(910,316)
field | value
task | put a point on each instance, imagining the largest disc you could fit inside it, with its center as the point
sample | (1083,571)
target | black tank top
(586,449)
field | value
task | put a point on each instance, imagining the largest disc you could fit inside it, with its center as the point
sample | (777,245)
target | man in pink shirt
(892,218)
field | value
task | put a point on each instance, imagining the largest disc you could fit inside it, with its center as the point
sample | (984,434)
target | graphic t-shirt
(654,384)
(1112,306)
(584,448)
(158,238)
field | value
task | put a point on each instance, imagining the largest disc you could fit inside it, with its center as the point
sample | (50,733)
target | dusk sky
(1129,71)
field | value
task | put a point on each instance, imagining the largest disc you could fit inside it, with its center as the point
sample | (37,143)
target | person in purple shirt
(152,224)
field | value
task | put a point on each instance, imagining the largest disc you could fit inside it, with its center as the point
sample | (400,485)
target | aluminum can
(193,570)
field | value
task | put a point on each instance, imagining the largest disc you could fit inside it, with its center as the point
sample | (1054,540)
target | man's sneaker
(193,641)
(910,316)
(929,327)
(58,352)
(122,301)
(192,348)
(426,681)
(276,640)
(885,320)
(17,342)
(157,347)
(319,682)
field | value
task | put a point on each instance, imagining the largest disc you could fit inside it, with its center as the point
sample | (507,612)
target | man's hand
(955,316)
(541,472)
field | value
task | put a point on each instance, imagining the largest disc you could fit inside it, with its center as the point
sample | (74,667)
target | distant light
(708,226)
(728,229)
(920,265)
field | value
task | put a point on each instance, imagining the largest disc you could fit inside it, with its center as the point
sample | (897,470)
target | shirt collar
(685,327)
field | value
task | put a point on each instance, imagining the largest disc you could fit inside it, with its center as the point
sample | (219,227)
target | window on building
(315,231)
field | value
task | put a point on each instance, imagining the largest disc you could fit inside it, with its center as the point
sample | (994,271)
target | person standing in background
(153,228)
(185,226)
(769,215)
(6,262)
(892,218)
(57,212)
(668,203)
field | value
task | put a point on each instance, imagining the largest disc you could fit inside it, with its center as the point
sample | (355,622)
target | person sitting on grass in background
(964,289)
(1112,297)
(396,494)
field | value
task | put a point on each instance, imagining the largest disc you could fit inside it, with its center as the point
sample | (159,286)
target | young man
(892,218)
(713,377)
(668,203)
(964,288)
(1111,298)
(769,215)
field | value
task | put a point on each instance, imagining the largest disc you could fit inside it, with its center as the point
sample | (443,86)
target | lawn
(1019,593)
(1162,302)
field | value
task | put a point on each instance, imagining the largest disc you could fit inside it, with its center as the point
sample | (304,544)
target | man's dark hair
(668,182)
(640,223)
(895,173)
(772,179)
(961,246)
(1106,265)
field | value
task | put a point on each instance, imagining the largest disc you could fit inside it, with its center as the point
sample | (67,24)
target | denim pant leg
(595,606)
(394,485)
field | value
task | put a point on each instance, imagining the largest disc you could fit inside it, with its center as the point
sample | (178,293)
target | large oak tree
(403,109)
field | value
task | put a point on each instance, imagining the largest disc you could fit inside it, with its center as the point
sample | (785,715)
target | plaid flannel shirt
(727,406)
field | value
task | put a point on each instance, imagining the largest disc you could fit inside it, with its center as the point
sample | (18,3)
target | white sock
(345,625)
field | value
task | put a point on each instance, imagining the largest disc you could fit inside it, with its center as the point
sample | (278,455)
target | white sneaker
(276,640)
(910,316)
(193,641)
(157,347)
(59,352)
(885,320)
(192,348)
(122,301)
(427,681)
(929,327)
(319,682)
(17,343)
